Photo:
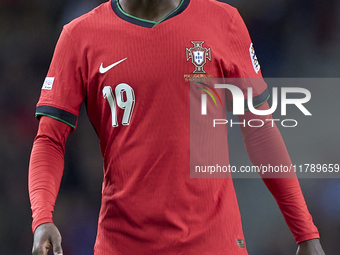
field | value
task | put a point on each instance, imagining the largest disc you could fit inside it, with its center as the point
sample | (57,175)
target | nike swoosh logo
(105,69)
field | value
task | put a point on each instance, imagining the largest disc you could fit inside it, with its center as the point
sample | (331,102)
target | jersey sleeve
(265,146)
(46,169)
(63,90)
(244,68)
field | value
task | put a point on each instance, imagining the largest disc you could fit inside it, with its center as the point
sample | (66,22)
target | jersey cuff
(304,238)
(58,114)
(257,101)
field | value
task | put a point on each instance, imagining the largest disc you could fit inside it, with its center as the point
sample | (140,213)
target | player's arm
(265,146)
(45,173)
(62,93)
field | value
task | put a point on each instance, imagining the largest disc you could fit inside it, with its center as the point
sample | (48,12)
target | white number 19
(126,105)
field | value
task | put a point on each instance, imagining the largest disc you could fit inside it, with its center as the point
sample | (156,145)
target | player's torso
(138,99)
(139,78)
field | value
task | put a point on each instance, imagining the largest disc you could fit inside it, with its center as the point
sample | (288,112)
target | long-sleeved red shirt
(134,75)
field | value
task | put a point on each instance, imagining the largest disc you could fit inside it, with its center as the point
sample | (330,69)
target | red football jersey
(133,76)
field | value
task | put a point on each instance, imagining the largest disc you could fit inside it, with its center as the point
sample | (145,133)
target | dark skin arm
(310,247)
(47,236)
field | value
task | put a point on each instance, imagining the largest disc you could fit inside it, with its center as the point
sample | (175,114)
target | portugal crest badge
(198,56)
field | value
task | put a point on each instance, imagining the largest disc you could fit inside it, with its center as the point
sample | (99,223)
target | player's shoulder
(216,8)
(91,19)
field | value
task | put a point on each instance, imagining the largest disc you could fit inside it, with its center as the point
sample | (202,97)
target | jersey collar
(143,22)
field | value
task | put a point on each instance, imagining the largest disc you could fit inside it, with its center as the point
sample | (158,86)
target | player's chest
(151,59)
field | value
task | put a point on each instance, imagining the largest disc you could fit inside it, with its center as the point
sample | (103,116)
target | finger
(57,250)
(56,243)
(40,250)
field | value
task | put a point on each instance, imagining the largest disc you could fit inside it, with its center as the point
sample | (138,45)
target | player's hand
(47,236)
(310,247)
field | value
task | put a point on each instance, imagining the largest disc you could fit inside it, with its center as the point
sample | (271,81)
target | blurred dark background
(292,38)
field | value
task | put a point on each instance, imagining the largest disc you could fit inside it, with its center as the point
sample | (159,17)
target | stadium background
(293,38)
